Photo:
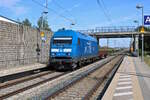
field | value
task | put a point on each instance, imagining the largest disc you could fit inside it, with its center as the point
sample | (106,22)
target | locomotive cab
(61,51)
(61,47)
(69,48)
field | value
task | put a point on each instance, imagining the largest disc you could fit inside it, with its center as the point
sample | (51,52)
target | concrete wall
(18,45)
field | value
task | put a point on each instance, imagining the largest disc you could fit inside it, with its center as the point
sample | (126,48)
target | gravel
(43,90)
(80,89)
(26,83)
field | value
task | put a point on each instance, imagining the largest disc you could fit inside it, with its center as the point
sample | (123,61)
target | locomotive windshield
(62,40)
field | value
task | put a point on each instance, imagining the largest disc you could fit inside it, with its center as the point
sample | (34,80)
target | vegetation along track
(19,85)
(86,87)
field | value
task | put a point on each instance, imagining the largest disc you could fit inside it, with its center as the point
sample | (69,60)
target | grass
(147,60)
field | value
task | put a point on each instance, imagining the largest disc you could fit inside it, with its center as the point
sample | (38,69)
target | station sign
(146,19)
(142,30)
(43,37)
(42,34)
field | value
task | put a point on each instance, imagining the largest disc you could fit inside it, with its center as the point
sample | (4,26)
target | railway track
(88,86)
(18,86)
(21,80)
(14,87)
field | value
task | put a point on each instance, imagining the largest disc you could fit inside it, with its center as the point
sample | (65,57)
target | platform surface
(19,69)
(131,82)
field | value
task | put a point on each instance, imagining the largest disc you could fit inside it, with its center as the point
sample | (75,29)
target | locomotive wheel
(74,66)
(79,64)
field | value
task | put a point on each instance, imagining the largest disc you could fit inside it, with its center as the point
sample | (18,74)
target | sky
(86,14)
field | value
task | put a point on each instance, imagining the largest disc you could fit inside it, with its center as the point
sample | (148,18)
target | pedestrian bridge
(117,32)
(114,32)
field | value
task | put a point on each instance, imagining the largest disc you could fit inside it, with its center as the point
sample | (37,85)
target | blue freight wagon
(70,49)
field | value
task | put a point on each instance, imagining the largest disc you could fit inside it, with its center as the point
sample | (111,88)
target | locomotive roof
(74,33)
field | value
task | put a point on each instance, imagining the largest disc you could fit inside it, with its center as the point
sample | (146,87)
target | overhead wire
(104,9)
(60,15)
(64,10)
(58,5)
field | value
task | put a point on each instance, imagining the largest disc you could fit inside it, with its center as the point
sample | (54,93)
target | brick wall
(18,45)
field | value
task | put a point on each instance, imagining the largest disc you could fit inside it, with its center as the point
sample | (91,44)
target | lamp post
(142,8)
(136,21)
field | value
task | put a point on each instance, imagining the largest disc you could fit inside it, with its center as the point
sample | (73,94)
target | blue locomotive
(70,49)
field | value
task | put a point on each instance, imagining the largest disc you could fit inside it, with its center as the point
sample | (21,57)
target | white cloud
(124,19)
(13,5)
(8,3)
(74,6)
(20,10)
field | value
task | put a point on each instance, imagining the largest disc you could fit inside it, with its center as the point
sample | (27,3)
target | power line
(103,7)
(64,10)
(58,5)
(105,11)
(53,11)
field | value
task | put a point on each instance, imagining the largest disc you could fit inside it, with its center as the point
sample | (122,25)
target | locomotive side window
(62,40)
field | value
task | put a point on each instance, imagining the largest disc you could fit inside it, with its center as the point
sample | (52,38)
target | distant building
(2,18)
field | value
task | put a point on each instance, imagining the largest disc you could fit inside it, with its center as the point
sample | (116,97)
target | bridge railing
(110,29)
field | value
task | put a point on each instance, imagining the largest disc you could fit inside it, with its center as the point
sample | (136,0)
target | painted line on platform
(125,79)
(123,94)
(124,83)
(127,76)
(125,87)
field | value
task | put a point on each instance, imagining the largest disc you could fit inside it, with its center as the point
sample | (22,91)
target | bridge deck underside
(118,35)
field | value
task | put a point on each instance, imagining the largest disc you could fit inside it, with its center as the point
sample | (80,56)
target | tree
(26,22)
(39,23)
(18,20)
(45,25)
(147,29)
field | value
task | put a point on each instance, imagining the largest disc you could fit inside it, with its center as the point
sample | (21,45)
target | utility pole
(43,16)
(46,8)
(142,7)
(137,39)
(107,43)
(45,13)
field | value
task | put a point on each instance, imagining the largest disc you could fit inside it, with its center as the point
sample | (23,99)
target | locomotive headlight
(68,54)
(54,50)
(53,54)
(67,50)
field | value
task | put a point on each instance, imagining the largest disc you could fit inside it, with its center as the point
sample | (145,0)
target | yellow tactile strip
(128,87)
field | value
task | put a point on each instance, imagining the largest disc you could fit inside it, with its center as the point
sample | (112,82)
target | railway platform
(19,69)
(131,81)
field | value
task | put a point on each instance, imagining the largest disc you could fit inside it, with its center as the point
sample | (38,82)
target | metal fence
(111,29)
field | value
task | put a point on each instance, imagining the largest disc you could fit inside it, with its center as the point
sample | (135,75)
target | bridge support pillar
(136,44)
(98,41)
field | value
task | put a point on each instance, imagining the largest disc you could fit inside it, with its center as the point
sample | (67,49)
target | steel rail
(30,86)
(110,77)
(21,80)
(77,80)
(101,80)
